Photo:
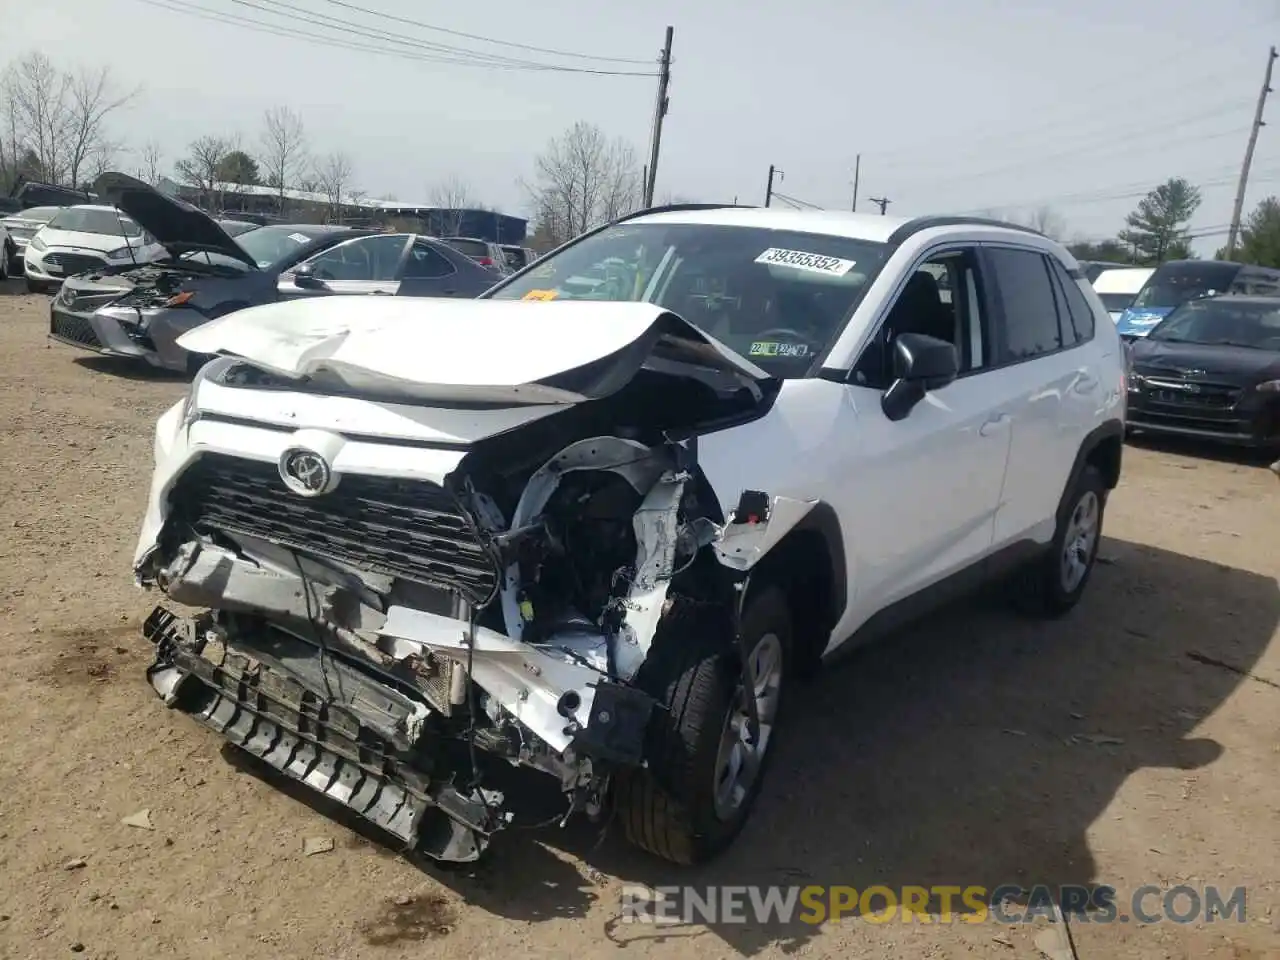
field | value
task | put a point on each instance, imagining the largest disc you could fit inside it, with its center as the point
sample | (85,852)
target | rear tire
(693,799)
(6,258)
(1054,584)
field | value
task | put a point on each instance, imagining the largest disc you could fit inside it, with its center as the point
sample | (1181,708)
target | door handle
(993,426)
(379,293)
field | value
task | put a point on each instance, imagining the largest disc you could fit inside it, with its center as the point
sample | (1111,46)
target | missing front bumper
(329,726)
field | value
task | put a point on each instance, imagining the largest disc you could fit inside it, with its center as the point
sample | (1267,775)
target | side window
(426,263)
(944,299)
(1030,308)
(366,258)
(1076,312)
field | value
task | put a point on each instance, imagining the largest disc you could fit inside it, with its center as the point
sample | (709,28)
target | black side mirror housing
(304,276)
(921,364)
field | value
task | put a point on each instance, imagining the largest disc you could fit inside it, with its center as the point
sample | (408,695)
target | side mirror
(304,275)
(921,363)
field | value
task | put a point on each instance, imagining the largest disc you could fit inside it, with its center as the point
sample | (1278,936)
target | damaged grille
(409,529)
(65,326)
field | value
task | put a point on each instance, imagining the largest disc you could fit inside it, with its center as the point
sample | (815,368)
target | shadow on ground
(128,369)
(1203,449)
(956,753)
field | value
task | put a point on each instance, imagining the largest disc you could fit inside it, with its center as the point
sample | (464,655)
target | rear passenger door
(427,273)
(1044,327)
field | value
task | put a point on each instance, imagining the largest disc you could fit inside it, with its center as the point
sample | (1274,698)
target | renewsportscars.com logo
(1009,904)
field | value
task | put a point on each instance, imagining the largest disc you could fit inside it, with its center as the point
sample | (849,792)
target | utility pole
(881,202)
(768,190)
(659,111)
(857,168)
(1258,123)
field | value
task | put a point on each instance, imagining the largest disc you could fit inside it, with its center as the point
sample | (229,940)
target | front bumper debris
(325,724)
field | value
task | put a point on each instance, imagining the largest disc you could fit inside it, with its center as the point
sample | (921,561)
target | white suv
(570,533)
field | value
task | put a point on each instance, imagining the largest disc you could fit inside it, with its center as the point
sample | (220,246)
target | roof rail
(914,226)
(677,207)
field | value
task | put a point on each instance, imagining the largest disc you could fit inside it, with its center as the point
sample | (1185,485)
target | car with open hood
(599,529)
(1210,370)
(207,274)
(82,238)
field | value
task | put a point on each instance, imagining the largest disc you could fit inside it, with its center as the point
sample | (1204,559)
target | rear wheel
(1055,583)
(705,768)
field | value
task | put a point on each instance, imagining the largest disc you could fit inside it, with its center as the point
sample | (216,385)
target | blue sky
(1078,105)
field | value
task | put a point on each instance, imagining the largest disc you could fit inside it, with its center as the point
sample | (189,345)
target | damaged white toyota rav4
(598,521)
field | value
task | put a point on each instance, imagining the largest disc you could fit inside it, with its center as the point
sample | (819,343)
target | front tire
(36,286)
(704,771)
(1054,584)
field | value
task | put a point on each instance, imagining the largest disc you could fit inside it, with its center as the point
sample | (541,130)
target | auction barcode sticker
(813,262)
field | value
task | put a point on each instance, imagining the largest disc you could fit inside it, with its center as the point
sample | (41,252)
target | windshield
(41,214)
(87,220)
(1175,283)
(1224,321)
(777,297)
(269,247)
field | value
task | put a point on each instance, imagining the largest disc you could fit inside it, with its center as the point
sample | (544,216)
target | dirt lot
(1136,742)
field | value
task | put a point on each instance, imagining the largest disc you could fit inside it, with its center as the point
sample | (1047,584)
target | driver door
(923,491)
(365,265)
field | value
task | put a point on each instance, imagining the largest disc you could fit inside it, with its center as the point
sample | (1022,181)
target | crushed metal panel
(742,545)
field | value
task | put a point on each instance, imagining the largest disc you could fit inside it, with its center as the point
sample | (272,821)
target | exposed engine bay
(384,640)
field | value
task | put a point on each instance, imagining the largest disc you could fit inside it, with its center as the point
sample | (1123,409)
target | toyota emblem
(306,473)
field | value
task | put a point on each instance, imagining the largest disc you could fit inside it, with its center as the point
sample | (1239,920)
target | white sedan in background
(83,238)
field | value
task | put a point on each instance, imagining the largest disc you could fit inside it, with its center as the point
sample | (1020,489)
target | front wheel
(36,286)
(704,767)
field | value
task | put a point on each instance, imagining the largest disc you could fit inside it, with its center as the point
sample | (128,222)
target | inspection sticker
(772,348)
(813,262)
(299,238)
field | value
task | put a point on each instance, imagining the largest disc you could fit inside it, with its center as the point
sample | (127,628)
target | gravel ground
(1134,742)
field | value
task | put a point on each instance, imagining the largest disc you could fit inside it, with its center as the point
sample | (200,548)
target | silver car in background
(21,227)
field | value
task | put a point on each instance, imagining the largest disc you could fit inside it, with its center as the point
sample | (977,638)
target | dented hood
(480,351)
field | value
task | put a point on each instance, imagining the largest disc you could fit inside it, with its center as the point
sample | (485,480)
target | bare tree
(1042,219)
(332,174)
(200,166)
(151,160)
(582,180)
(91,99)
(284,149)
(38,93)
(453,197)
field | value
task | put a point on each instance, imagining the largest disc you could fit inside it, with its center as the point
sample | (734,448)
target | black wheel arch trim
(1106,431)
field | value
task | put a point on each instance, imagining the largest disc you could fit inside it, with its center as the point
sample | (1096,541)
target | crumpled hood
(1138,321)
(480,351)
(176,224)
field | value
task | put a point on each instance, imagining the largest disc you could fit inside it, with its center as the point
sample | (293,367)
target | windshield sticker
(772,348)
(299,238)
(813,262)
(541,295)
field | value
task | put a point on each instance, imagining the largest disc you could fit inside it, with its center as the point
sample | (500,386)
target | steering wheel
(786,332)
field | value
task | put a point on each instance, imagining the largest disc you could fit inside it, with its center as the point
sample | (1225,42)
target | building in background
(261,204)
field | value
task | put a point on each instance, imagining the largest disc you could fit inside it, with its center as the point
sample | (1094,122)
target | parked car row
(201,273)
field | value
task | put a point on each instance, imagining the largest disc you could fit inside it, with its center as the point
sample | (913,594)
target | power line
(1110,85)
(482,39)
(795,201)
(293,33)
(327,22)
(1093,150)
(1089,141)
